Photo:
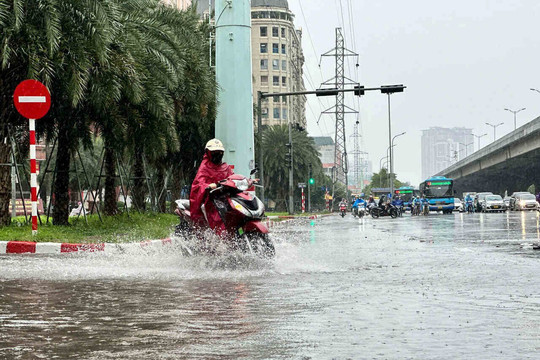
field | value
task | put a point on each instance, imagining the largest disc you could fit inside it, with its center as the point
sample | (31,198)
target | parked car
(458,205)
(493,203)
(512,205)
(479,198)
(526,202)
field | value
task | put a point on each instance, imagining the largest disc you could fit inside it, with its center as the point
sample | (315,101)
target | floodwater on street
(461,286)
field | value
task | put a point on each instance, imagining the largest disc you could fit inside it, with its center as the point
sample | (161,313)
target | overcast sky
(462,61)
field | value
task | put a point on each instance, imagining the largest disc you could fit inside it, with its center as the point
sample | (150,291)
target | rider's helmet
(214,145)
(215,150)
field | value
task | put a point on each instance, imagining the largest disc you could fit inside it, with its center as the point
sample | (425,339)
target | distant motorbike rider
(358,203)
(425,205)
(382,201)
(416,204)
(398,202)
(468,202)
(211,171)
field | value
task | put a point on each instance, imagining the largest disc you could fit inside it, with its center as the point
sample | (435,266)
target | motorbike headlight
(241,184)
(241,208)
(522,203)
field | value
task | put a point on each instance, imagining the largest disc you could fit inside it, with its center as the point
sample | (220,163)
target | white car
(458,205)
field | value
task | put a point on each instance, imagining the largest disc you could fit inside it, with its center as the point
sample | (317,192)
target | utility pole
(234,119)
(340,109)
(291,184)
(309,183)
(259,132)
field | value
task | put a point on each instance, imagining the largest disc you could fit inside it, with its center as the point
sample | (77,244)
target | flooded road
(455,286)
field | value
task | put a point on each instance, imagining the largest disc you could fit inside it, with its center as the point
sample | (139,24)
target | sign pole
(33,176)
(303,202)
(32,100)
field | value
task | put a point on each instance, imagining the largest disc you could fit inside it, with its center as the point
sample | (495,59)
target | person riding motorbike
(398,202)
(469,202)
(425,205)
(415,208)
(211,171)
(358,203)
(382,201)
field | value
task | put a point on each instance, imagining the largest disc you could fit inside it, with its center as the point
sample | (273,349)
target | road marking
(32,99)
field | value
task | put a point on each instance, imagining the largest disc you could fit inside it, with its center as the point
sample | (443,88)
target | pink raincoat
(207,174)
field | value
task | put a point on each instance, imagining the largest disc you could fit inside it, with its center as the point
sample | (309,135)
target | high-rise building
(180,4)
(442,147)
(325,147)
(277,62)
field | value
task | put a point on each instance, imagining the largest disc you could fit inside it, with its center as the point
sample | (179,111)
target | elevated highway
(511,163)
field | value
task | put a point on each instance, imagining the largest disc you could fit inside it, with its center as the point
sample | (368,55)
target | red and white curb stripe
(27,247)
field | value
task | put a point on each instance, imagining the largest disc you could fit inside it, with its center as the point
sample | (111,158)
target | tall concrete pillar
(234,124)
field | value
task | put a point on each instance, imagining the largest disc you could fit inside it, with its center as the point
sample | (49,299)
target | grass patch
(119,228)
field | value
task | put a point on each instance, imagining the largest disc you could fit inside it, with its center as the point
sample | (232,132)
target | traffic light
(390,89)
(288,155)
(311,181)
(359,90)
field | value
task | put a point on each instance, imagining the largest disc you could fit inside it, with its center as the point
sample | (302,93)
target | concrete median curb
(29,247)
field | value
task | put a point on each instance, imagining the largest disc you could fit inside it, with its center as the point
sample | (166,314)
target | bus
(439,191)
(407,193)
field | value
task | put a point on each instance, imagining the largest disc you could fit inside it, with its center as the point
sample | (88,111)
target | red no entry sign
(32,99)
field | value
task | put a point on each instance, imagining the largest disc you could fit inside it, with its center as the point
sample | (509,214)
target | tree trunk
(161,192)
(176,190)
(110,180)
(5,182)
(61,185)
(139,188)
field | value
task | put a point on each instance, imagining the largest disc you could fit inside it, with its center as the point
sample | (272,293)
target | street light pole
(467,148)
(494,126)
(389,90)
(391,164)
(380,161)
(515,113)
(478,137)
(390,143)
(388,166)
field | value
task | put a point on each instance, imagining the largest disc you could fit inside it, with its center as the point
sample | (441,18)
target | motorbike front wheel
(260,245)
(393,213)
(375,213)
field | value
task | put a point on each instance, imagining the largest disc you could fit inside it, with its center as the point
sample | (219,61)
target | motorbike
(240,211)
(390,210)
(359,211)
(470,207)
(415,209)
(342,210)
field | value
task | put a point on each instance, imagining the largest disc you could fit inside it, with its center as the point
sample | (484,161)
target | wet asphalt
(461,286)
